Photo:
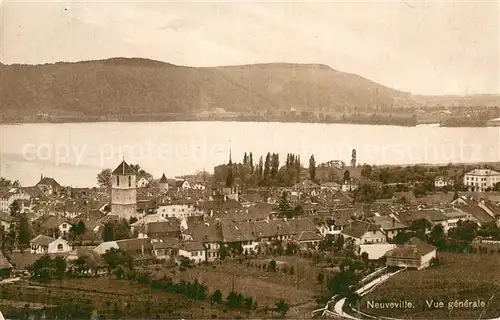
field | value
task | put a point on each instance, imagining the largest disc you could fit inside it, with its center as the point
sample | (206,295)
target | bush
(320,277)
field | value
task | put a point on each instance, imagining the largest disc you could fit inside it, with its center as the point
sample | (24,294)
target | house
(389,226)
(166,248)
(7,197)
(192,250)
(178,209)
(481,179)
(170,227)
(433,216)
(240,236)
(475,210)
(332,223)
(363,232)
(5,266)
(137,248)
(455,216)
(43,244)
(92,257)
(441,182)
(6,220)
(142,182)
(331,186)
(415,254)
(49,186)
(55,224)
(209,233)
(348,186)
(307,239)
(376,251)
(182,185)
(199,186)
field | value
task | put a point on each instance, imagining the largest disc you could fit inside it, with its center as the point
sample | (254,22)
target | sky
(448,47)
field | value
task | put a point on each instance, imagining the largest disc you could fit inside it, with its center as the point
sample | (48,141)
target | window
(59,247)
(117,181)
(129,181)
(64,226)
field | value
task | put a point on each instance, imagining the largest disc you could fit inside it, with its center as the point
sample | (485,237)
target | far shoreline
(79,121)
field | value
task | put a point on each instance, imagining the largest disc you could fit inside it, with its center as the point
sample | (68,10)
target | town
(255,238)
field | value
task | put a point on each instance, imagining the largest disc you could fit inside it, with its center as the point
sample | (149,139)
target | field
(104,293)
(459,277)
(298,289)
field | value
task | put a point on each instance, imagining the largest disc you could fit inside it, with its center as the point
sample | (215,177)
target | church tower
(124,192)
(163,183)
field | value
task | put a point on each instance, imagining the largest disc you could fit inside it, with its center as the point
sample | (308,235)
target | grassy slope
(461,276)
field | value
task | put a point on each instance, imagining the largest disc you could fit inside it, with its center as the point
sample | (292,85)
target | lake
(74,153)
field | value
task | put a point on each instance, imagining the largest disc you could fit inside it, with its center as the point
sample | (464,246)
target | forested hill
(126,87)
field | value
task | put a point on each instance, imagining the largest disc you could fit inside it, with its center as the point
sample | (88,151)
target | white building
(142,183)
(7,198)
(43,244)
(199,186)
(481,179)
(194,251)
(414,254)
(178,209)
(124,192)
(441,182)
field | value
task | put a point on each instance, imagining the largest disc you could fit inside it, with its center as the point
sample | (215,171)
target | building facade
(480,180)
(124,192)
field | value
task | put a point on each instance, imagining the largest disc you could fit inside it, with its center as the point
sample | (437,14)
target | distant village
(198,220)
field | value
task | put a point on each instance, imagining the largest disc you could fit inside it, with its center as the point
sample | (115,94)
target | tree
(496,187)
(284,208)
(267,166)
(272,266)
(455,195)
(250,162)
(366,171)
(438,237)
(216,297)
(320,277)
(108,232)
(364,257)
(104,178)
(312,168)
(282,307)
(15,208)
(347,176)
(24,233)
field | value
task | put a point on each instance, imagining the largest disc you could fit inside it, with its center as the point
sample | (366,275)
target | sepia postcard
(249,159)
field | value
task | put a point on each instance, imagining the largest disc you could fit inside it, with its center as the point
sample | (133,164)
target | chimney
(393,221)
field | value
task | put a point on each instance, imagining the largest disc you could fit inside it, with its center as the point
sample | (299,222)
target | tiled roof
(357,229)
(388,223)
(205,231)
(42,240)
(4,216)
(133,245)
(166,243)
(483,172)
(430,215)
(4,263)
(169,225)
(191,246)
(413,249)
(49,182)
(124,169)
(307,236)
(163,179)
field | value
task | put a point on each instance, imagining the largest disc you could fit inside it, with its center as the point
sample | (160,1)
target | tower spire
(230,159)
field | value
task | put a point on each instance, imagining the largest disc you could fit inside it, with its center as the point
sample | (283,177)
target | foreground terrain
(459,277)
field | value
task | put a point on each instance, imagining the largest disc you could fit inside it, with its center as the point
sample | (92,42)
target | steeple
(230,160)
(41,176)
